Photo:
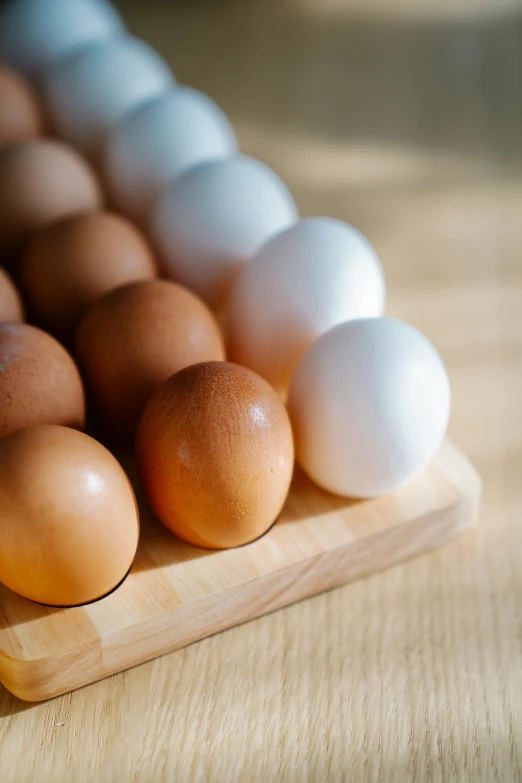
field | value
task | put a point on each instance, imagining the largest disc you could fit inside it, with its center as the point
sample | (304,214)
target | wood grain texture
(404,118)
(176,594)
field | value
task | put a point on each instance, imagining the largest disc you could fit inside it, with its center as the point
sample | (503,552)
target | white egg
(90,91)
(158,141)
(317,274)
(36,33)
(369,404)
(214,217)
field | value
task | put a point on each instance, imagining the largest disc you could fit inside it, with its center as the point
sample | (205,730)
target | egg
(76,261)
(36,33)
(90,91)
(11,307)
(311,277)
(212,219)
(215,454)
(41,181)
(21,116)
(69,521)
(158,141)
(39,381)
(369,404)
(134,339)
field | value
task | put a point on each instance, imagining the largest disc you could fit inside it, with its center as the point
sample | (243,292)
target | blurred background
(404,118)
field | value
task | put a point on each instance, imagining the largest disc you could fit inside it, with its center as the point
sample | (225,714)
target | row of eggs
(312,275)
(300,300)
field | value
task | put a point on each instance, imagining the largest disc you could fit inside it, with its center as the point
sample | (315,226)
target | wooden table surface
(404,118)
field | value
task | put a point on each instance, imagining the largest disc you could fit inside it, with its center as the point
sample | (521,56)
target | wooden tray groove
(176,594)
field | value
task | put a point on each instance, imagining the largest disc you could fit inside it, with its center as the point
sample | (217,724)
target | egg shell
(215,454)
(317,274)
(76,261)
(11,306)
(212,219)
(39,381)
(36,33)
(160,140)
(134,339)
(90,91)
(369,404)
(41,181)
(69,521)
(21,116)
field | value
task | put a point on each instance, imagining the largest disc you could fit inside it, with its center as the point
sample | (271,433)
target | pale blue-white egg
(212,219)
(89,92)
(34,34)
(369,404)
(160,140)
(317,274)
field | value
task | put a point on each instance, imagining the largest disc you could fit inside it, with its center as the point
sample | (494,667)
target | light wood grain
(404,118)
(176,594)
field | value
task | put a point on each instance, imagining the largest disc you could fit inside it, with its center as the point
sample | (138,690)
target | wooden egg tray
(176,594)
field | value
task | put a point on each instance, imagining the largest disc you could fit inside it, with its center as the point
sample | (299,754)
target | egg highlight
(157,142)
(369,403)
(74,262)
(90,91)
(311,277)
(69,520)
(135,338)
(212,219)
(215,454)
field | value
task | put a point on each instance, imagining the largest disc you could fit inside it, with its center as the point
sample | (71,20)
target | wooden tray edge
(44,678)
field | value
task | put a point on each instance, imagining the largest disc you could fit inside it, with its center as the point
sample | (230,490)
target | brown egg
(134,339)
(20,113)
(73,263)
(69,520)
(39,381)
(11,307)
(215,453)
(41,181)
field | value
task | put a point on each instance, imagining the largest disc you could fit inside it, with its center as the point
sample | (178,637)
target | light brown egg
(134,339)
(215,454)
(69,521)
(11,307)
(41,181)
(39,381)
(20,114)
(73,263)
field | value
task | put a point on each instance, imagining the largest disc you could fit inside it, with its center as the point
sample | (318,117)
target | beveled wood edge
(39,679)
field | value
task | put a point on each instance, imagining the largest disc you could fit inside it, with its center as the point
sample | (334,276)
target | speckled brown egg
(41,181)
(73,263)
(20,114)
(39,381)
(11,307)
(215,454)
(69,521)
(134,339)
